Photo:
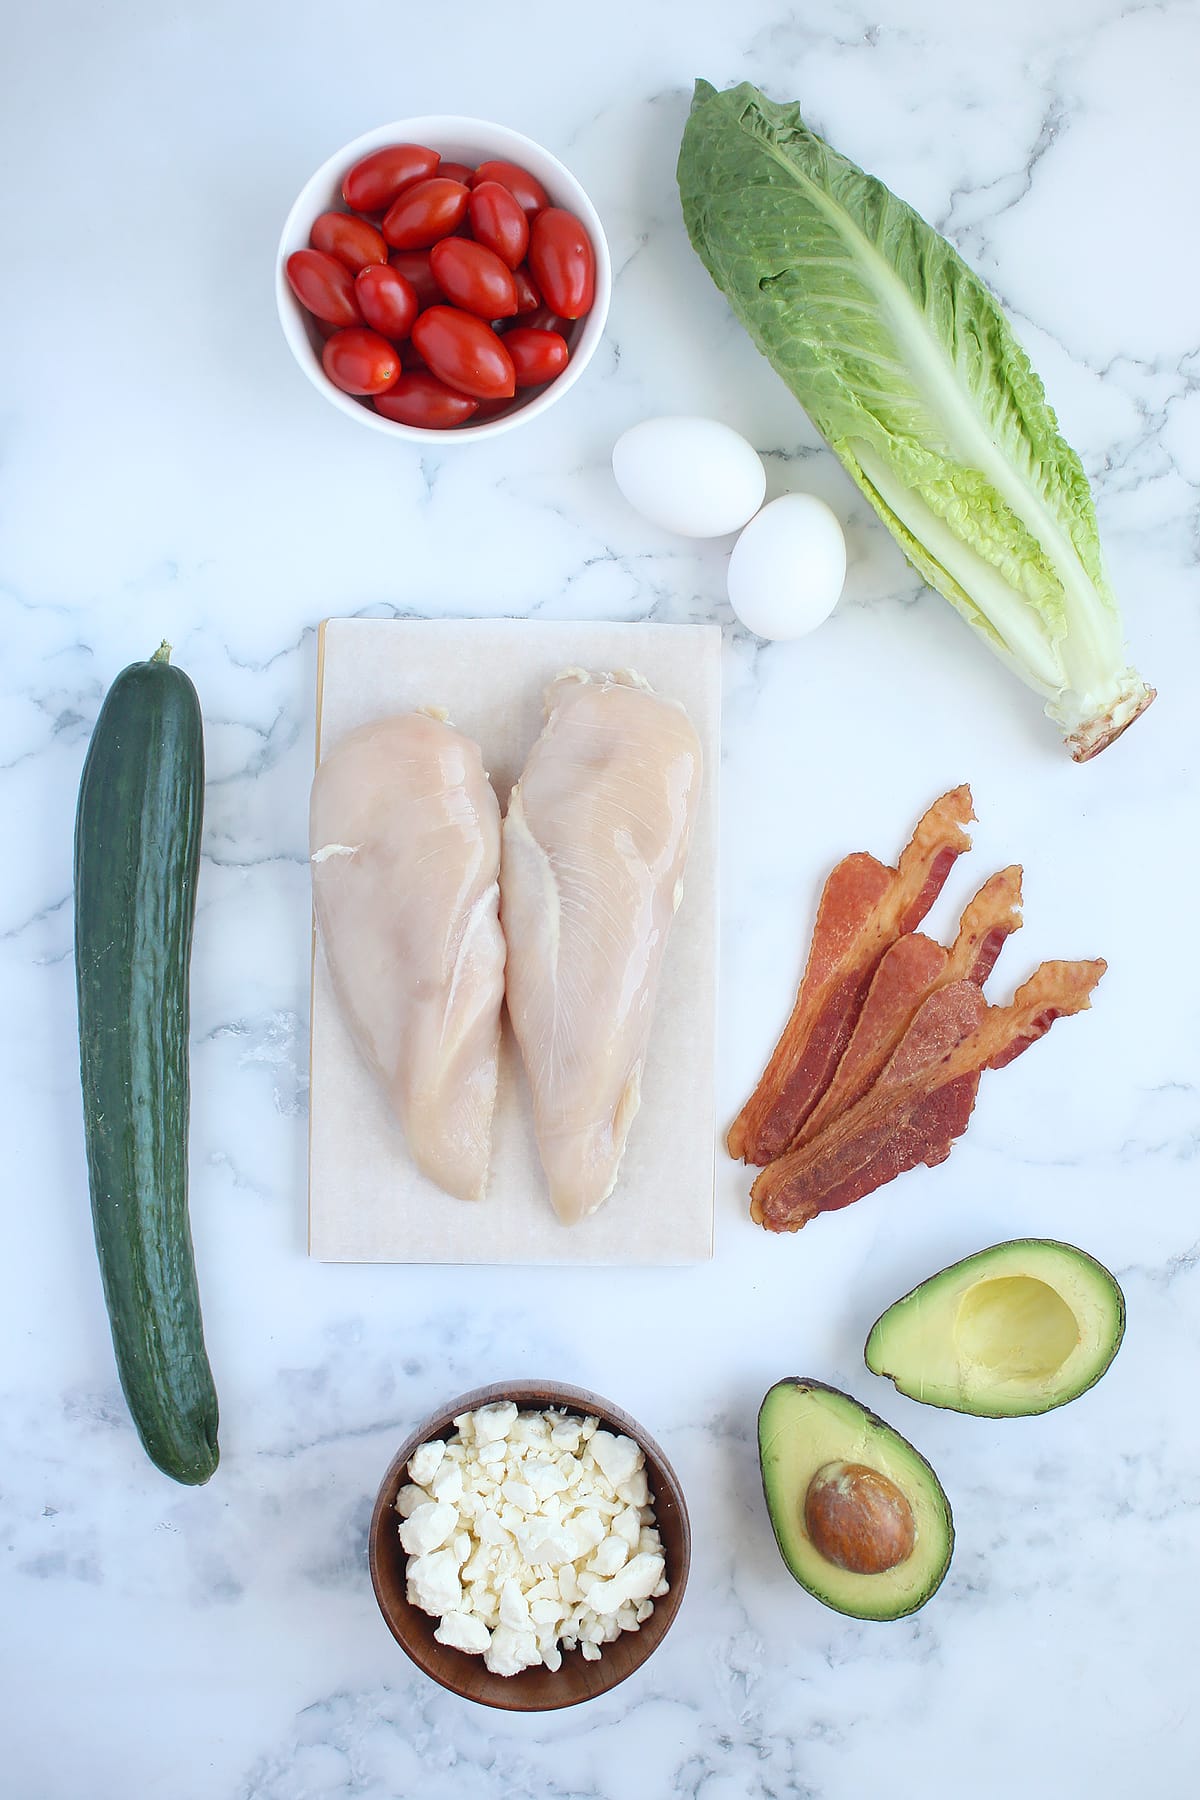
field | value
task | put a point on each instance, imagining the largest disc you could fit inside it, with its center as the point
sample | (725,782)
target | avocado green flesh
(802,1425)
(1017,1329)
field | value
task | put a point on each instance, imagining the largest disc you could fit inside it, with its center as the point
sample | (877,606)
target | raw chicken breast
(405,836)
(594,846)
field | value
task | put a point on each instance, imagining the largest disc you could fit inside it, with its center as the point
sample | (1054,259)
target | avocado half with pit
(859,1516)
(1017,1329)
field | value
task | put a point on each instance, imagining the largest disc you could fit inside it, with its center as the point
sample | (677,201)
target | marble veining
(167,473)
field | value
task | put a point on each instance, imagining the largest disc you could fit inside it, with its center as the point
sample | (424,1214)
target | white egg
(695,477)
(788,567)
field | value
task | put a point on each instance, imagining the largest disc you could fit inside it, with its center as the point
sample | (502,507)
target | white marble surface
(168,472)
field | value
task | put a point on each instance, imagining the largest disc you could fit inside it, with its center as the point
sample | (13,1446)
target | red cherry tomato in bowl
(414,266)
(456,171)
(375,180)
(528,298)
(497,221)
(562,262)
(419,398)
(473,277)
(425,212)
(386,300)
(464,353)
(323,285)
(360,362)
(531,195)
(537,356)
(351,240)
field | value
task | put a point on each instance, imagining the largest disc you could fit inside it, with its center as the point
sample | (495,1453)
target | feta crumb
(425,1460)
(628,1526)
(618,1457)
(636,1490)
(511,1651)
(446,1483)
(463,1631)
(609,1555)
(409,1498)
(514,1608)
(494,1422)
(427,1528)
(433,1582)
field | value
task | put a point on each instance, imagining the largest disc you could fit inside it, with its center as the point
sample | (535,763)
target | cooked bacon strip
(906,975)
(991,917)
(924,1097)
(864,908)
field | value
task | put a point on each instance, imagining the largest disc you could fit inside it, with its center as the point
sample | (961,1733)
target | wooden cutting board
(367,1203)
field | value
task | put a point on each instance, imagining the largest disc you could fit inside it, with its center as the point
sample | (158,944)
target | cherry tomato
(352,241)
(498,222)
(531,195)
(537,355)
(360,362)
(414,266)
(373,183)
(562,263)
(546,319)
(473,277)
(425,212)
(386,300)
(465,353)
(421,399)
(455,171)
(528,298)
(491,409)
(410,356)
(324,285)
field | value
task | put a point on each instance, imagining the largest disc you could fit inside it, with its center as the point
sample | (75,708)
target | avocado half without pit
(859,1516)
(1017,1329)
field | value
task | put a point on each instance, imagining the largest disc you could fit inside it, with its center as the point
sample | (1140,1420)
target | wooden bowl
(538,1689)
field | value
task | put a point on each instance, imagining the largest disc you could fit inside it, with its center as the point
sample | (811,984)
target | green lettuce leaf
(911,372)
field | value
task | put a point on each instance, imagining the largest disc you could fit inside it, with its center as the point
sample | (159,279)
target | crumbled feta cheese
(618,1457)
(433,1582)
(636,1490)
(511,1651)
(495,1421)
(628,1526)
(514,1608)
(530,1534)
(427,1528)
(446,1483)
(611,1553)
(425,1460)
(463,1631)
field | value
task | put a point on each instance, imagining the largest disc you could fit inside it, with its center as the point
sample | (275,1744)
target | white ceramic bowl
(457,140)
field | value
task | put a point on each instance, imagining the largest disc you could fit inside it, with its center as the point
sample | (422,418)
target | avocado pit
(858,1519)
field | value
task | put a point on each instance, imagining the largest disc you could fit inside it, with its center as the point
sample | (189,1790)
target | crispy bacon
(908,972)
(923,1099)
(864,908)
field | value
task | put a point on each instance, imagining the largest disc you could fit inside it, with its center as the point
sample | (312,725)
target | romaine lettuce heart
(909,369)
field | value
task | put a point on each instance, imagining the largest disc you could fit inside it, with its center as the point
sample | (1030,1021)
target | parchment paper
(367,1203)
